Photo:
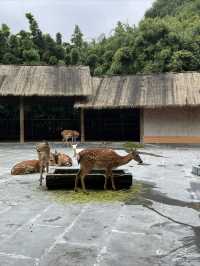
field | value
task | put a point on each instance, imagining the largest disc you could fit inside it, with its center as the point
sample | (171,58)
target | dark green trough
(64,178)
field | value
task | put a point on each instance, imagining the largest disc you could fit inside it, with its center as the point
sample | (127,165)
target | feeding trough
(196,170)
(64,178)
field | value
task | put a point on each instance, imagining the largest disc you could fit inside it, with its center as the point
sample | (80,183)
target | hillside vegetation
(167,39)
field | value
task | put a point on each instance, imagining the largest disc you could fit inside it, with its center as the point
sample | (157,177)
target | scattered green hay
(63,196)
(132,145)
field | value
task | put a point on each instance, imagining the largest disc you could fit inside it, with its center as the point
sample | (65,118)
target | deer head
(136,156)
(74,149)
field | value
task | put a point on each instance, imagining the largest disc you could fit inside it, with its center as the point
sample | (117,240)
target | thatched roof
(44,81)
(157,90)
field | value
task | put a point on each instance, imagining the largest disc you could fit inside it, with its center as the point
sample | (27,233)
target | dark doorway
(9,119)
(45,117)
(112,125)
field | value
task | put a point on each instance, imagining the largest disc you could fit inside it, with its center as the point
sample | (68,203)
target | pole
(82,125)
(21,118)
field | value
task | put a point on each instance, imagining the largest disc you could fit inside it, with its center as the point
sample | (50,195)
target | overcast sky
(93,16)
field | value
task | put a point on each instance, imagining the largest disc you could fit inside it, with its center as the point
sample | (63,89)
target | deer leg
(110,174)
(76,181)
(112,182)
(83,184)
(83,173)
(41,177)
(47,167)
(106,180)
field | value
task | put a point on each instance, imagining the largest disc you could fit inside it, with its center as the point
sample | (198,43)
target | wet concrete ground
(162,228)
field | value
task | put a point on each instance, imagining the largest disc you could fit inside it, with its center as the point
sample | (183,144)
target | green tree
(59,38)
(75,56)
(67,59)
(36,32)
(183,61)
(77,37)
(4,37)
(92,61)
(31,56)
(53,60)
(122,61)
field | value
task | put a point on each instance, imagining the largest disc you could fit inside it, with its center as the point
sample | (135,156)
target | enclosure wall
(172,125)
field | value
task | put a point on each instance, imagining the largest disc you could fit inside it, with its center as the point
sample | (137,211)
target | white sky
(93,16)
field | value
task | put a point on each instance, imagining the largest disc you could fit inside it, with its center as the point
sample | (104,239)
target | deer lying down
(33,166)
(106,159)
(61,159)
(26,167)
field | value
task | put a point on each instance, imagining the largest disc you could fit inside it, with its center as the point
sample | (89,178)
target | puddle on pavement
(162,165)
(179,165)
(148,194)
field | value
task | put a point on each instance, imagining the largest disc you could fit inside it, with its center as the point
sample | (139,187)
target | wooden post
(21,118)
(82,126)
(141,126)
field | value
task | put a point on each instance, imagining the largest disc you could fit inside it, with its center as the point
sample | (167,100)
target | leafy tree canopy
(167,39)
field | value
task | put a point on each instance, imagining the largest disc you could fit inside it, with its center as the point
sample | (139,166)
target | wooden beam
(82,125)
(21,118)
(172,139)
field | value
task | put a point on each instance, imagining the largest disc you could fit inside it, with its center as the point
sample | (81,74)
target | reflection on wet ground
(149,195)
(162,165)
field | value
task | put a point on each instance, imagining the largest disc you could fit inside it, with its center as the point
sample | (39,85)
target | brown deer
(26,167)
(60,159)
(30,166)
(33,166)
(106,159)
(69,134)
(43,150)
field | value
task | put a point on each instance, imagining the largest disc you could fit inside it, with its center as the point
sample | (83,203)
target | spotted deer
(43,150)
(69,134)
(106,159)
(26,167)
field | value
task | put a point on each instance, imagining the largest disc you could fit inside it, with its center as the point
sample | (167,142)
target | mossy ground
(132,145)
(64,196)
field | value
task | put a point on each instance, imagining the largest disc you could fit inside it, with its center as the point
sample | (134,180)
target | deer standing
(106,159)
(69,134)
(75,150)
(43,150)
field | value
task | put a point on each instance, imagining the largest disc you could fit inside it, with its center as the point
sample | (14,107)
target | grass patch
(132,145)
(63,196)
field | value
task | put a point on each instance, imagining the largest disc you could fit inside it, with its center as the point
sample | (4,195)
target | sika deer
(106,159)
(60,159)
(75,150)
(26,167)
(43,150)
(69,134)
(64,160)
